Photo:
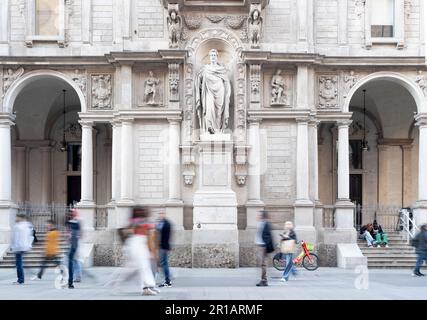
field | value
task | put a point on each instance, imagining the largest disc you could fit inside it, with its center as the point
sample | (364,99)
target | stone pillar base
(123,212)
(252,209)
(175,213)
(215,248)
(8,213)
(303,216)
(344,219)
(420,213)
(86,212)
(331,236)
(318,221)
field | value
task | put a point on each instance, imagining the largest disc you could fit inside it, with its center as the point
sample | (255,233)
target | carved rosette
(255,78)
(101,92)
(328,92)
(173,82)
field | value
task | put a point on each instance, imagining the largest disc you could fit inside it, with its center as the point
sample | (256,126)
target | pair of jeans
(381,238)
(77,269)
(368,238)
(419,263)
(19,266)
(71,255)
(164,263)
(46,259)
(290,268)
(262,261)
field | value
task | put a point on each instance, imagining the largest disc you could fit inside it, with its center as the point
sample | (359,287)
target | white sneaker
(148,292)
(155,289)
(387,246)
(35,278)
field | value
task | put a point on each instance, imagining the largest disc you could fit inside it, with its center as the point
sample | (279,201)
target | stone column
(314,174)
(115,162)
(126,162)
(20,173)
(46,175)
(344,209)
(7,209)
(86,206)
(304,221)
(420,210)
(254,203)
(175,205)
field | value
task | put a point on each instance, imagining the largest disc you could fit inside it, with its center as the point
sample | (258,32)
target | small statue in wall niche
(10,76)
(278,87)
(328,93)
(174,22)
(421,80)
(255,25)
(101,91)
(150,93)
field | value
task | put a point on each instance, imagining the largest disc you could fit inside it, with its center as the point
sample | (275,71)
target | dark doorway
(73,189)
(356,181)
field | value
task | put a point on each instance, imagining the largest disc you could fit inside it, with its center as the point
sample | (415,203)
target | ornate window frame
(399,26)
(30,18)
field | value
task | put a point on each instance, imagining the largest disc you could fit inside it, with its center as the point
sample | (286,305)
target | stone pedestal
(8,212)
(87,215)
(344,223)
(304,221)
(215,235)
(175,213)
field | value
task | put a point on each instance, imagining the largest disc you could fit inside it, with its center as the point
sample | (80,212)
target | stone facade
(296,118)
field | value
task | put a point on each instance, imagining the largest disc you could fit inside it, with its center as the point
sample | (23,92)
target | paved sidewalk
(228,284)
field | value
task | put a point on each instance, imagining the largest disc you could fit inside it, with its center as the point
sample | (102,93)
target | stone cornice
(395,142)
(150,114)
(278,114)
(133,57)
(328,116)
(54,61)
(96,117)
(7,118)
(202,4)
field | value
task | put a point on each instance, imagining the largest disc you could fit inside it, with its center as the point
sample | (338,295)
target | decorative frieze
(174,22)
(10,76)
(421,80)
(102,92)
(241,103)
(173,81)
(328,92)
(255,78)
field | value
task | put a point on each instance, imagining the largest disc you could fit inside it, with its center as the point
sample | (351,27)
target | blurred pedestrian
(164,230)
(264,242)
(287,248)
(74,229)
(21,242)
(420,244)
(51,249)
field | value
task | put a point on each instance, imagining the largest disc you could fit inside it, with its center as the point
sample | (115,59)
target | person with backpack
(21,242)
(264,243)
(420,244)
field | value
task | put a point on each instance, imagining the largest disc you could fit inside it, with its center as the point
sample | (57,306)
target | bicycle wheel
(278,262)
(310,263)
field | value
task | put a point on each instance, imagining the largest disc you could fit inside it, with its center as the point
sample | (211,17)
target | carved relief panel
(278,88)
(102,92)
(150,84)
(327,91)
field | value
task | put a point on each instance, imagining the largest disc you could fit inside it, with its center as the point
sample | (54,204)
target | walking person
(51,249)
(21,242)
(420,244)
(74,229)
(264,242)
(287,248)
(164,230)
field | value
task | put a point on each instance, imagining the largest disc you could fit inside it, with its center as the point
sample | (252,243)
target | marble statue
(254,26)
(174,22)
(213,92)
(151,84)
(278,86)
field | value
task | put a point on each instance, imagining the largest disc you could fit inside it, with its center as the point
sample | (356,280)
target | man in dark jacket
(264,242)
(420,244)
(164,231)
(74,229)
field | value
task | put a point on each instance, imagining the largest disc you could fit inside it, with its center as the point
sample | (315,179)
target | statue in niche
(174,22)
(255,25)
(278,86)
(10,76)
(213,92)
(150,93)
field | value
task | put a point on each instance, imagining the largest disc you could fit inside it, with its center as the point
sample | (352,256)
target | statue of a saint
(151,84)
(174,26)
(254,25)
(213,92)
(278,86)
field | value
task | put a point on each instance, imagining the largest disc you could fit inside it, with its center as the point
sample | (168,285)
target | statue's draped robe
(213,91)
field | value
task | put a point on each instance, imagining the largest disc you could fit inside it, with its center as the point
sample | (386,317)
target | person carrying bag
(287,248)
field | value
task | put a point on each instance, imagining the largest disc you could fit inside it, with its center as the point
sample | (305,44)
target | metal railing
(39,214)
(101,217)
(386,215)
(407,224)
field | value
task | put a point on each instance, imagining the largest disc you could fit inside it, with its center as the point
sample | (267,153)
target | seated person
(379,234)
(365,232)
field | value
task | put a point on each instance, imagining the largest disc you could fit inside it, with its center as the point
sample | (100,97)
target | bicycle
(306,258)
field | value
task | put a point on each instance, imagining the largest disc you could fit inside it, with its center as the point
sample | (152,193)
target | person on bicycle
(287,248)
